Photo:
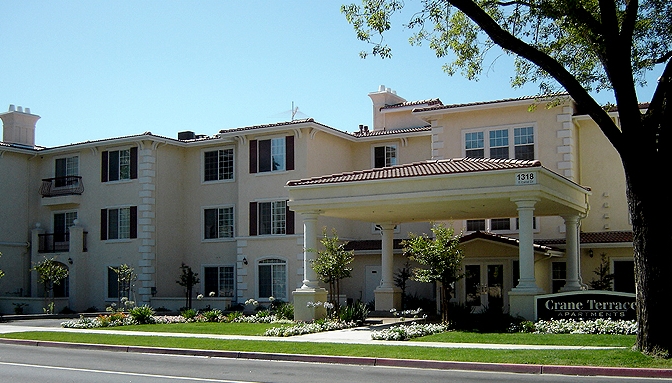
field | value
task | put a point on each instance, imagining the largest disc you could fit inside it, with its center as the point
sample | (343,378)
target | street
(27,364)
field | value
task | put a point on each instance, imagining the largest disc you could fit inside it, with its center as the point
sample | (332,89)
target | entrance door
(484,286)
(373,276)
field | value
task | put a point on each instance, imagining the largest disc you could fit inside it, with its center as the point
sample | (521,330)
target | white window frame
(219,287)
(513,225)
(386,145)
(126,228)
(219,165)
(260,262)
(123,175)
(277,222)
(233,223)
(511,138)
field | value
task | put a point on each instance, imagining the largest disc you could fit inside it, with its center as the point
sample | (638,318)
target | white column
(310,293)
(387,261)
(572,253)
(310,280)
(527,281)
(387,295)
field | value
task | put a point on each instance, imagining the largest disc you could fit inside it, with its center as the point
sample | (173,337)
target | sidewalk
(359,335)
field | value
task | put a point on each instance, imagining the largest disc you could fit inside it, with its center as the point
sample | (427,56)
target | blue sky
(100,69)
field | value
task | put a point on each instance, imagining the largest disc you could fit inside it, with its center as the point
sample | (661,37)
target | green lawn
(623,357)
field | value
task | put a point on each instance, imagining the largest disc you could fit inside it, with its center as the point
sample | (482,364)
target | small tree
(401,278)
(333,264)
(125,278)
(604,278)
(50,273)
(187,280)
(442,257)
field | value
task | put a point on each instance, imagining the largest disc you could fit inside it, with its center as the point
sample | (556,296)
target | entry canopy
(433,190)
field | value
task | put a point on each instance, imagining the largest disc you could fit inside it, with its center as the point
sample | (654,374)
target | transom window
(499,143)
(272,274)
(218,223)
(218,165)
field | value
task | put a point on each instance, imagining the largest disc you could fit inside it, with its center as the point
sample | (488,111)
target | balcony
(61,190)
(57,243)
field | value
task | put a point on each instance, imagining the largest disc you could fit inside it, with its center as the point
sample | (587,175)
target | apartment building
(240,206)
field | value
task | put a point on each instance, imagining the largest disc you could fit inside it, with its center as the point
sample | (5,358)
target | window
(271,218)
(500,224)
(220,280)
(272,155)
(524,143)
(476,225)
(558,275)
(474,145)
(272,274)
(218,223)
(112,284)
(499,144)
(384,156)
(119,165)
(119,223)
(62,223)
(218,165)
(496,224)
(66,170)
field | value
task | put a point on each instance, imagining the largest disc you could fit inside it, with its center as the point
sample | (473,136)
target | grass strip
(203,328)
(536,339)
(605,358)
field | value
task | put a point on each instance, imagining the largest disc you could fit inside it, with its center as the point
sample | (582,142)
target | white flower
(212,294)
(199,296)
(271,299)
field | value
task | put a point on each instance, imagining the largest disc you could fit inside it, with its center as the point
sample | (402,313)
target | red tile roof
(385,132)
(431,102)
(478,103)
(419,169)
(596,237)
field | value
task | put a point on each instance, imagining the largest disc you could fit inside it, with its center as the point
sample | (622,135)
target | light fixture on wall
(590,253)
(70,261)
(244,261)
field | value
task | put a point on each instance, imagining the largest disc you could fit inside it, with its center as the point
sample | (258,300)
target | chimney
(18,126)
(383,97)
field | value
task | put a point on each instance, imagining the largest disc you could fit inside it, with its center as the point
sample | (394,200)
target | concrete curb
(367,361)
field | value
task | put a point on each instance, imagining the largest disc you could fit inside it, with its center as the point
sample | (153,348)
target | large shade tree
(581,47)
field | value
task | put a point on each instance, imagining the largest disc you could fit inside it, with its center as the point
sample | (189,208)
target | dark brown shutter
(103,224)
(253,156)
(265,164)
(289,221)
(134,162)
(253,218)
(134,222)
(104,166)
(289,152)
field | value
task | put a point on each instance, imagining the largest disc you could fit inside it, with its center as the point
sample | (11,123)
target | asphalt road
(27,364)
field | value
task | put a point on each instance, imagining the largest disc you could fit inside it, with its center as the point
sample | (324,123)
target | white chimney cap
(11,107)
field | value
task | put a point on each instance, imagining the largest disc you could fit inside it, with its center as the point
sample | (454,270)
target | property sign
(588,304)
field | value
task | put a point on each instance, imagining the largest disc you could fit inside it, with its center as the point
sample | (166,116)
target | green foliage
(142,314)
(125,278)
(189,313)
(356,312)
(604,278)
(442,260)
(50,273)
(187,280)
(333,263)
(213,315)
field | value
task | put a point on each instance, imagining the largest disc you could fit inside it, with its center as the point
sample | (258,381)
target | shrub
(142,314)
(356,312)
(213,315)
(188,314)
(284,311)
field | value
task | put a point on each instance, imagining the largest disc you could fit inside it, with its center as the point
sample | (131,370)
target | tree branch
(507,41)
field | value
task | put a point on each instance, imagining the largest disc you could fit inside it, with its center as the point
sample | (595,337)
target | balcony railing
(58,186)
(57,243)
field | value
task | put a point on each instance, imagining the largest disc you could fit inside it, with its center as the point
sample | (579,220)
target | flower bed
(309,328)
(410,331)
(597,326)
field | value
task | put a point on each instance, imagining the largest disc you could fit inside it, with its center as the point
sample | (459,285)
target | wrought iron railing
(58,186)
